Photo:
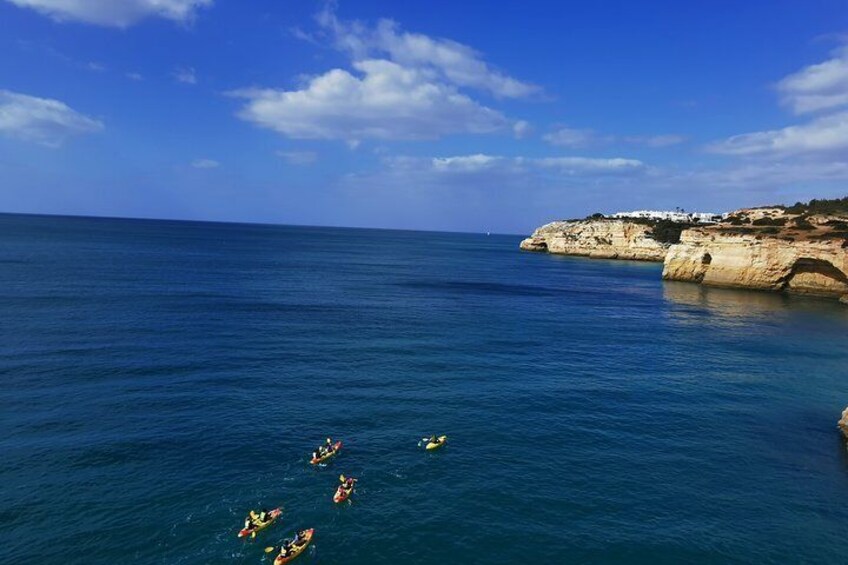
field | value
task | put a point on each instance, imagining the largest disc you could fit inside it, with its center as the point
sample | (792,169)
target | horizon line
(246,223)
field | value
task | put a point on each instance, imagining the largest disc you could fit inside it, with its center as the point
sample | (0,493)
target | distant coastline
(799,249)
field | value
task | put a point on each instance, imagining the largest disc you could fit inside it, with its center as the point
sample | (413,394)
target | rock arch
(816,276)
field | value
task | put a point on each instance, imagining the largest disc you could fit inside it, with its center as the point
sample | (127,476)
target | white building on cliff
(674,216)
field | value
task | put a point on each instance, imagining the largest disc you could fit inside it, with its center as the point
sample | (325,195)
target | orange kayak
(336,447)
(296,550)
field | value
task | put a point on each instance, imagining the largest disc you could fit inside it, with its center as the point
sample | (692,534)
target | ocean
(159,379)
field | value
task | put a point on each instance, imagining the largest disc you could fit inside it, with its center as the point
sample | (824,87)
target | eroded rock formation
(804,263)
(601,239)
(843,423)
(777,248)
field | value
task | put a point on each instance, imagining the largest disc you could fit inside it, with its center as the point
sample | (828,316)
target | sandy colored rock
(721,257)
(844,299)
(843,423)
(601,239)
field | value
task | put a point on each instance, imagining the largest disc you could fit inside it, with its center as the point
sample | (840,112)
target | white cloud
(454,62)
(465,163)
(656,141)
(42,120)
(818,87)
(205,164)
(566,166)
(185,75)
(570,137)
(388,101)
(521,129)
(298,157)
(115,13)
(594,166)
(822,136)
(401,86)
(758,174)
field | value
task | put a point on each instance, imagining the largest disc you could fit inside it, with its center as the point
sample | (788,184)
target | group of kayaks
(291,549)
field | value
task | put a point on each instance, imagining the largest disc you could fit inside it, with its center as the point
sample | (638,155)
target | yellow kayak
(442,440)
(259,526)
(297,549)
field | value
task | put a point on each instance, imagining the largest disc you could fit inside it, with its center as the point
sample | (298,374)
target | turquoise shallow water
(159,379)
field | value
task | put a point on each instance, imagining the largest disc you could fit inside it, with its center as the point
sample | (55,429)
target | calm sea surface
(160,379)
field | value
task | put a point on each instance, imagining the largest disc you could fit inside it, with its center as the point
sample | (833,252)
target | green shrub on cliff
(823,206)
(769,221)
(666,231)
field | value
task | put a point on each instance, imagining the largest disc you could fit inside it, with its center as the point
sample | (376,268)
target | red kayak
(336,447)
(342,494)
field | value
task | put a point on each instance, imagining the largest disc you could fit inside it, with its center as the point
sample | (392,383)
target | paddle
(270,549)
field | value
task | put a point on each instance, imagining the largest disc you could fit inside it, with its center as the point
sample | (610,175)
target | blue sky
(427,115)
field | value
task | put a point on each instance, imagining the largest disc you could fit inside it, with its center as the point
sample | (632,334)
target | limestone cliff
(601,239)
(812,261)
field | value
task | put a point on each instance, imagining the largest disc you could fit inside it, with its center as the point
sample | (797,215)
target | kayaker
(348,483)
(248,524)
(285,549)
(329,443)
(435,440)
(298,538)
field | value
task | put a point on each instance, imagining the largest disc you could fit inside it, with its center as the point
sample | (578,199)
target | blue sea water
(160,379)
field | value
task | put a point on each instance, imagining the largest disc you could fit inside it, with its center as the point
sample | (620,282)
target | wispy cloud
(298,157)
(134,76)
(205,164)
(571,137)
(818,87)
(185,75)
(821,88)
(578,138)
(115,13)
(42,120)
(569,166)
(522,129)
(665,140)
(822,136)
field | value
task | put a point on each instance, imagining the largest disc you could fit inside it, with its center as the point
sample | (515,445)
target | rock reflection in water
(691,302)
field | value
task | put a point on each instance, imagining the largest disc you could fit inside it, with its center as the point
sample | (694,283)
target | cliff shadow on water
(731,303)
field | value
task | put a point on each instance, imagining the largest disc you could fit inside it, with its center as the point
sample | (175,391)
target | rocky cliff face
(758,248)
(601,239)
(843,423)
(812,262)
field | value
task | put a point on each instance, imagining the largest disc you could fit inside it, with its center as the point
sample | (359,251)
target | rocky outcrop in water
(843,423)
(779,249)
(784,257)
(600,239)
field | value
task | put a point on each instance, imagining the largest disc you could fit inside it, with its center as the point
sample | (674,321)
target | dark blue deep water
(160,379)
